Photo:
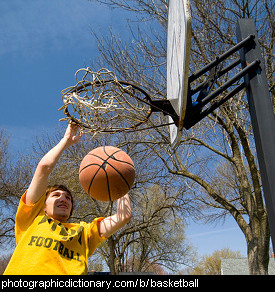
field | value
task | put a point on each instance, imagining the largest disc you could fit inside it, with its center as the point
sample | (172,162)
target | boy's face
(58,205)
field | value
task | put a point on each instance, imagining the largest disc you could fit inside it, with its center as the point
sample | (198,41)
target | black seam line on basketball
(93,179)
(89,166)
(107,178)
(100,167)
(122,177)
(104,149)
(113,157)
(108,185)
(106,161)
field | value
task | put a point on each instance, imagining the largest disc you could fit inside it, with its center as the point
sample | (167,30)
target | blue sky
(43,43)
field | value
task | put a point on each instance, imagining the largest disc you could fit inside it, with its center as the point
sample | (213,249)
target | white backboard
(178,58)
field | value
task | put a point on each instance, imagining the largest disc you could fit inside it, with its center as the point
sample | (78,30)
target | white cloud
(209,233)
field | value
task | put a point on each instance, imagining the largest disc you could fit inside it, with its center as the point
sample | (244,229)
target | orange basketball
(107,173)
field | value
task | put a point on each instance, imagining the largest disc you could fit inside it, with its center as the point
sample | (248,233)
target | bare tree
(216,159)
(211,264)
(15,175)
(4,262)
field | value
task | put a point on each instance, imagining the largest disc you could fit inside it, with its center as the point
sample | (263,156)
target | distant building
(240,266)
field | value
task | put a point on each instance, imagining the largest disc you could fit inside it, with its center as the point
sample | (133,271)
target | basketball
(107,173)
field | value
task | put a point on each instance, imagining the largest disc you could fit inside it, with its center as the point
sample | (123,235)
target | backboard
(178,58)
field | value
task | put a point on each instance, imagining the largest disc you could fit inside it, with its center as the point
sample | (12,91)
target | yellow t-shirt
(48,247)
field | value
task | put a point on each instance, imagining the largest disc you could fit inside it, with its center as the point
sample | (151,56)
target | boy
(46,243)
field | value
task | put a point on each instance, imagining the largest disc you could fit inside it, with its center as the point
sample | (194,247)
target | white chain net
(100,103)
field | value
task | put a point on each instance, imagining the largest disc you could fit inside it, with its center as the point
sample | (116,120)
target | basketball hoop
(99,102)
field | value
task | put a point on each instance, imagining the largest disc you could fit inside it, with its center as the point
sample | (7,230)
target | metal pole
(262,117)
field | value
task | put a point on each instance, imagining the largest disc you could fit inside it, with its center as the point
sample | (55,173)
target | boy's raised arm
(39,181)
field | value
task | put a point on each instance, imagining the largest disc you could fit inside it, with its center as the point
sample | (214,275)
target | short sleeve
(26,214)
(94,236)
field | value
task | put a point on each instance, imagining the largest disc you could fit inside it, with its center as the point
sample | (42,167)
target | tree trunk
(257,232)
(257,261)
(114,260)
(258,239)
(112,257)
